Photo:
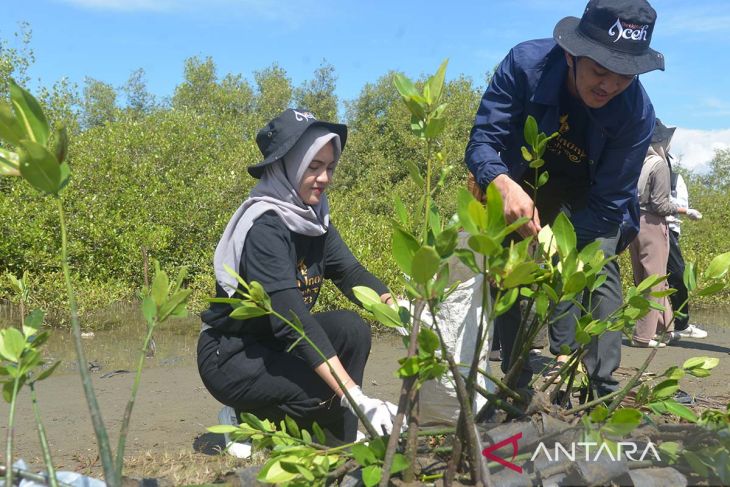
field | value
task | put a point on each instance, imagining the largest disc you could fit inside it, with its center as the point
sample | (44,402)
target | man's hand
(517,204)
(694,214)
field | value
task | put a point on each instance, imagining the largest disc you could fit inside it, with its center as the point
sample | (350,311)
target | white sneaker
(670,337)
(693,331)
(239,449)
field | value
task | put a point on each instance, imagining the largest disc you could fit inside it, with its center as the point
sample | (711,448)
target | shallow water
(120,332)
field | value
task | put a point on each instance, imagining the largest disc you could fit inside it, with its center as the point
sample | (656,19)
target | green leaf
(434,127)
(483,245)
(523,273)
(174,302)
(39,167)
(624,421)
(405,247)
(60,143)
(718,266)
(12,344)
(409,367)
(386,315)
(149,309)
(495,211)
(371,475)
(690,276)
(706,363)
(160,286)
(428,340)
(599,414)
(415,173)
(363,455)
(464,200)
(680,410)
(467,258)
(446,242)
(10,129)
(274,473)
(696,463)
(713,288)
(674,372)
(400,463)
(292,427)
(436,82)
(222,428)
(543,179)
(526,154)
(665,389)
(564,234)
(426,262)
(506,301)
(247,310)
(319,433)
(537,163)
(575,283)
(29,113)
(582,337)
(366,296)
(401,211)
(530,131)
(404,85)
(9,163)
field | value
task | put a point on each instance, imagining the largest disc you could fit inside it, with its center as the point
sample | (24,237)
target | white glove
(381,414)
(693,214)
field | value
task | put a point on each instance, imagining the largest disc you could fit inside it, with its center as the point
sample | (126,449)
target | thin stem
(361,416)
(124,429)
(102,438)
(595,402)
(632,382)
(52,481)
(11,432)
(404,400)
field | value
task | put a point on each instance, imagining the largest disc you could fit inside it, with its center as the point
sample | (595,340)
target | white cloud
(696,148)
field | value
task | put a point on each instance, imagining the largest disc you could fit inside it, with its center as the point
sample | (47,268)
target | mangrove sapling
(21,354)
(40,160)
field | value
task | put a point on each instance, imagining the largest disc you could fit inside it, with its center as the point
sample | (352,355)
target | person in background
(650,250)
(282,237)
(675,264)
(583,83)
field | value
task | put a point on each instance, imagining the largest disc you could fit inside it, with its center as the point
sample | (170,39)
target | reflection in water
(117,340)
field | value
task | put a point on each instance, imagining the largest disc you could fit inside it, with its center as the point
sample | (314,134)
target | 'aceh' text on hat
(614,33)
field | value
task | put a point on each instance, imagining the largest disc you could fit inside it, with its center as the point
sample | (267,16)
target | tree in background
(139,100)
(273,92)
(99,105)
(318,94)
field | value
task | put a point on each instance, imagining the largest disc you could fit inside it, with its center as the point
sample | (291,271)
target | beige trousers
(649,254)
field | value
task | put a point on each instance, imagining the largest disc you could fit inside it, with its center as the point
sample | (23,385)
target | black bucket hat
(282,132)
(662,133)
(615,34)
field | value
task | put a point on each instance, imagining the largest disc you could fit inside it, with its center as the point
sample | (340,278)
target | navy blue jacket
(529,82)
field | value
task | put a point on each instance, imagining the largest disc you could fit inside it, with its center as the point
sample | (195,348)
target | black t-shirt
(291,268)
(566,161)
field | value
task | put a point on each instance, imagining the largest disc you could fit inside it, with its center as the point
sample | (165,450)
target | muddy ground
(173,408)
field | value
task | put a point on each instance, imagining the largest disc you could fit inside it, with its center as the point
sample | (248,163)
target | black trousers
(262,378)
(675,269)
(604,352)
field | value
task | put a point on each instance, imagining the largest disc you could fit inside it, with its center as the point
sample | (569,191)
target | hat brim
(662,134)
(257,170)
(567,35)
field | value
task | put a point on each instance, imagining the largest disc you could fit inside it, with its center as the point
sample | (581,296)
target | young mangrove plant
(31,152)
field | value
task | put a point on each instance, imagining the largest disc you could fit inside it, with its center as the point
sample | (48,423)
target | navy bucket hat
(281,133)
(614,33)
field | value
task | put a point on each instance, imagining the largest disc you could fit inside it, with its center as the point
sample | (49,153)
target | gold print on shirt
(308,286)
(560,146)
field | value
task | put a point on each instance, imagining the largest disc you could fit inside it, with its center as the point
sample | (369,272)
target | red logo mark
(487,452)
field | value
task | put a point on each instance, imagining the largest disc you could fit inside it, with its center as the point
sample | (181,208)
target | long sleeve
(660,201)
(345,270)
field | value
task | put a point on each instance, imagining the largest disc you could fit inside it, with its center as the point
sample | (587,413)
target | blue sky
(108,39)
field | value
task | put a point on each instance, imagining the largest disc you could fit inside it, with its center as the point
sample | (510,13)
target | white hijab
(277,191)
